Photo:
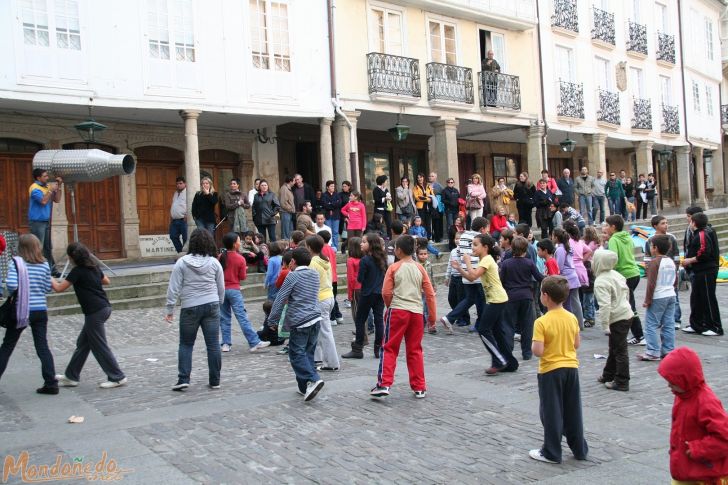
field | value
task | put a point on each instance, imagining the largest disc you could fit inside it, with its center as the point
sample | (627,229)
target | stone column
(446,150)
(597,153)
(60,223)
(643,151)
(129,217)
(342,147)
(534,143)
(192,159)
(700,178)
(326,149)
(682,163)
(718,174)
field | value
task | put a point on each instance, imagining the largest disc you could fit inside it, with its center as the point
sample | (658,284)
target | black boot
(377,350)
(261,267)
(356,352)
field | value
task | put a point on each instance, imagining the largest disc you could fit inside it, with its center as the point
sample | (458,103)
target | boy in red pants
(404,284)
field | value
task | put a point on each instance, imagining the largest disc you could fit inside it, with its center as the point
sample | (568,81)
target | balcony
(500,91)
(637,42)
(641,114)
(572,100)
(670,120)
(447,84)
(393,78)
(666,47)
(566,16)
(724,114)
(603,30)
(608,111)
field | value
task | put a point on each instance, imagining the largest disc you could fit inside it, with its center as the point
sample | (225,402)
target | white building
(185,85)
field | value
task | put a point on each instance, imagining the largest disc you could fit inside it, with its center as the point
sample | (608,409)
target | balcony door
(443,43)
(386,27)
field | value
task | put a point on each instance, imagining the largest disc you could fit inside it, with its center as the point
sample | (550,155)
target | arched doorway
(157,168)
(220,166)
(16,172)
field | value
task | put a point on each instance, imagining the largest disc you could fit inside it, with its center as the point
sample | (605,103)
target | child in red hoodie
(699,435)
(356,215)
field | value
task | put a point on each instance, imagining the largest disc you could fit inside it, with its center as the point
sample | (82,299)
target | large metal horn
(83,165)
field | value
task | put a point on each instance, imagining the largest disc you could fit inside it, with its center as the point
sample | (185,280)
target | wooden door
(466,168)
(157,169)
(16,172)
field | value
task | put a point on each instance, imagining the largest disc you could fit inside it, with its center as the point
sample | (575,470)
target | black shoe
(377,351)
(47,390)
(616,387)
(602,380)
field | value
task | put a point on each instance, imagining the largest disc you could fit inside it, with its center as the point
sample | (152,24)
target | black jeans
(424,214)
(456,294)
(524,212)
(437,229)
(617,367)
(375,303)
(520,315)
(636,323)
(704,310)
(39,326)
(335,312)
(387,217)
(474,295)
(497,336)
(560,410)
(93,339)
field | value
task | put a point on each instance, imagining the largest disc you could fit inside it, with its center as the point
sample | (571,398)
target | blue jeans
(450,216)
(660,316)
(272,292)
(678,310)
(234,301)
(474,295)
(42,230)
(587,306)
(615,206)
(286,225)
(334,225)
(653,206)
(177,231)
(301,347)
(210,226)
(585,205)
(598,204)
(39,326)
(206,316)
(432,249)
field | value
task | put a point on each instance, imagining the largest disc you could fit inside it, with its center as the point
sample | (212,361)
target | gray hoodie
(610,289)
(196,280)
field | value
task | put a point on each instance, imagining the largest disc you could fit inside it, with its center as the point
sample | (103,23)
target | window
(34,14)
(269,35)
(68,31)
(709,39)
(666,90)
(165,23)
(443,45)
(696,97)
(661,17)
(602,4)
(387,31)
(565,64)
(506,167)
(636,11)
(708,100)
(603,74)
(637,82)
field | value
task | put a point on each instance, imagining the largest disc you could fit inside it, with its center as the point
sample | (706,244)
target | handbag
(473,203)
(8,310)
(389,206)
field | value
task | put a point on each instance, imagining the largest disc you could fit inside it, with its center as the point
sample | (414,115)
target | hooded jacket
(610,289)
(699,422)
(621,243)
(196,280)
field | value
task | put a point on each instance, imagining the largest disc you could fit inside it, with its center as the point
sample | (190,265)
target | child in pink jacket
(356,215)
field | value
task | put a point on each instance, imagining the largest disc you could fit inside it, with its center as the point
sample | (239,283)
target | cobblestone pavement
(255,429)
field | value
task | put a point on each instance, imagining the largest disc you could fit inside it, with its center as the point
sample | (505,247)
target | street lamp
(568,145)
(399,132)
(88,129)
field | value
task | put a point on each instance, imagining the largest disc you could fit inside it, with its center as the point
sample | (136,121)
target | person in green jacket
(621,243)
(614,190)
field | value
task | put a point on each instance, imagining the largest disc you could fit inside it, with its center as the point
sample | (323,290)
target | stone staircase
(146,287)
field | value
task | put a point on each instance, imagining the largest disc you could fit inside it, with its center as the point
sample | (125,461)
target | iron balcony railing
(565,15)
(499,90)
(637,41)
(603,26)
(666,47)
(390,74)
(572,99)
(724,114)
(670,120)
(642,114)
(449,83)
(608,111)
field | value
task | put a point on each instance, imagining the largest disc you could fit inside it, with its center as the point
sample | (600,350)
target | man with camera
(42,195)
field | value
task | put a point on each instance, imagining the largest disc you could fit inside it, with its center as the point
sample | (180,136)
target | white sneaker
(261,345)
(447,324)
(340,320)
(225,348)
(709,333)
(65,381)
(642,341)
(180,386)
(313,388)
(677,326)
(334,323)
(112,384)
(517,337)
(538,455)
(347,304)
(688,329)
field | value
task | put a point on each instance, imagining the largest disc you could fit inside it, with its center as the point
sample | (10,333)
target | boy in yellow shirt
(555,340)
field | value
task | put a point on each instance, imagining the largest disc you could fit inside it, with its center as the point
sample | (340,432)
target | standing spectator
(203,206)
(288,209)
(566,186)
(551,184)
(615,194)
(475,198)
(318,203)
(641,196)
(253,191)
(178,213)
(689,213)
(332,211)
(543,199)
(600,184)
(659,223)
(383,201)
(344,196)
(585,190)
(524,192)
(651,191)
(437,188)
(40,209)
(235,204)
(266,208)
(450,199)
(502,195)
(629,192)
(489,64)
(301,192)
(423,201)
(405,203)
(356,215)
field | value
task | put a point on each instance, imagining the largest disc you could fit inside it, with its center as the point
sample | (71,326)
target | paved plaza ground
(256,429)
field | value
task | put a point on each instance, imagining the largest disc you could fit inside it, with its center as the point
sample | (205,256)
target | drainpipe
(331,5)
(544,148)
(684,99)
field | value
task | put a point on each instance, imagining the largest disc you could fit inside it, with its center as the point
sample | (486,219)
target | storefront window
(708,158)
(375,164)
(409,166)
(505,167)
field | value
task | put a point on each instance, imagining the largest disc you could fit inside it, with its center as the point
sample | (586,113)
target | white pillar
(596,152)
(192,159)
(446,149)
(700,178)
(129,217)
(534,143)
(643,151)
(682,163)
(343,149)
(326,149)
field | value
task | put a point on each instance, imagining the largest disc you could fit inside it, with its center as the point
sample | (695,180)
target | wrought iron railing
(603,26)
(565,15)
(608,111)
(572,99)
(724,114)
(499,90)
(637,41)
(670,119)
(390,74)
(449,83)
(642,114)
(666,47)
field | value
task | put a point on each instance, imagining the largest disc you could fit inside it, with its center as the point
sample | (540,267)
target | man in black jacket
(450,199)
(301,193)
(566,186)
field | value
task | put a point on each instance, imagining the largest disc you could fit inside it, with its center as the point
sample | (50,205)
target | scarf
(22,305)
